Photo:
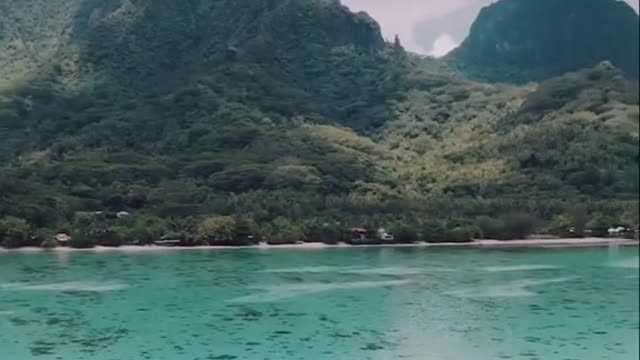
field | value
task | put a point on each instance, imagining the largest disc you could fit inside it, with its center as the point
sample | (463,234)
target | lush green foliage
(225,122)
(14,232)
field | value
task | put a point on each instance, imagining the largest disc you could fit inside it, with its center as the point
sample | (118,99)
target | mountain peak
(531,40)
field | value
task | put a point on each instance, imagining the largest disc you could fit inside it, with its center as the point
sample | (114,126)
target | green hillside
(212,120)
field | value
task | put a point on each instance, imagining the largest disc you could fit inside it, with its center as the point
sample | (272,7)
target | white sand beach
(477,244)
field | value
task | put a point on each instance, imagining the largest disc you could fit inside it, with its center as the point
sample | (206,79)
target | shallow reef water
(346,304)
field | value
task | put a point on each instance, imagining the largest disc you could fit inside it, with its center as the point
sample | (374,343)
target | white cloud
(635,4)
(443,45)
(402,16)
(399,17)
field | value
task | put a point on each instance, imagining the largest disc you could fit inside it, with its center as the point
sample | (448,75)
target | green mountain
(531,40)
(209,120)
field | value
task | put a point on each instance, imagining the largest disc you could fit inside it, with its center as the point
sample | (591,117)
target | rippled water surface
(347,304)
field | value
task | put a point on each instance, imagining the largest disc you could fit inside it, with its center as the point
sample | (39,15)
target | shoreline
(488,244)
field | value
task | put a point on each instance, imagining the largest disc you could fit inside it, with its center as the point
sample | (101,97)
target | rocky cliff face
(524,40)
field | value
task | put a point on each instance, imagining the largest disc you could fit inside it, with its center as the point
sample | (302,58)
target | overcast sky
(426,26)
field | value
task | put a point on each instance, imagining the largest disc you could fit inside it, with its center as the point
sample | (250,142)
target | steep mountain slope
(271,55)
(295,118)
(531,40)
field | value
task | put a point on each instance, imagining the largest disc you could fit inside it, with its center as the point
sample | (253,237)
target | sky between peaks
(431,27)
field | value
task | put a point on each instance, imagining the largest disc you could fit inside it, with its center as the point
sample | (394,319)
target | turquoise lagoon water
(342,304)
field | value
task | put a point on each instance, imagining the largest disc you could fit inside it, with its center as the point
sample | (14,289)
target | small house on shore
(383,235)
(168,243)
(359,234)
(618,231)
(62,239)
(362,235)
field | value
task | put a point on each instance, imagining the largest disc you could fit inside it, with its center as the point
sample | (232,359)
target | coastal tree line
(108,228)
